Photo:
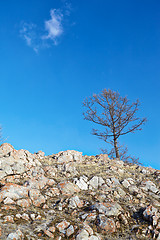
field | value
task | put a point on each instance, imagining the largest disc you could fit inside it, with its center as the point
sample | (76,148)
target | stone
(91,217)
(75,202)
(62,226)
(148,186)
(5,149)
(88,228)
(125,183)
(68,188)
(70,196)
(38,217)
(149,212)
(115,181)
(18,235)
(49,234)
(8,201)
(105,224)
(69,156)
(69,231)
(36,197)
(52,229)
(133,190)
(13,191)
(96,182)
(93,237)
(40,154)
(121,192)
(81,183)
(25,203)
(18,215)
(50,171)
(54,191)
(9,219)
(25,216)
(82,235)
(108,208)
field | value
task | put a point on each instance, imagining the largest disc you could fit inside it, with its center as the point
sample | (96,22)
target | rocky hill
(70,196)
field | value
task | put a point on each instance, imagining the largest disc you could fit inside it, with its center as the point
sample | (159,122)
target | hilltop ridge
(71,196)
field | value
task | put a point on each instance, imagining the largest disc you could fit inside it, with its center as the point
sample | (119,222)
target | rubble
(70,196)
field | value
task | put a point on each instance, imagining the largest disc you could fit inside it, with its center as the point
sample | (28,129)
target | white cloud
(52,30)
(28,40)
(28,32)
(54,26)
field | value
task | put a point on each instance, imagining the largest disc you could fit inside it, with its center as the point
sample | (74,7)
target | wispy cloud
(54,26)
(50,33)
(28,32)
(68,8)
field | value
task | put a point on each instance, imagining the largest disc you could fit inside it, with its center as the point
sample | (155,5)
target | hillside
(70,196)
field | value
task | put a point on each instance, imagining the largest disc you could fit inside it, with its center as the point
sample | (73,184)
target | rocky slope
(70,196)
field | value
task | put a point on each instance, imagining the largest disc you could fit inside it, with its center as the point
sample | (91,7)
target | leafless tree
(116,115)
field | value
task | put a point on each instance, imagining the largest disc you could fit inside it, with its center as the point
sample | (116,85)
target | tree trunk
(115,141)
(116,148)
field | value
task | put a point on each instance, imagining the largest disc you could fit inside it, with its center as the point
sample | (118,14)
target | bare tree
(115,114)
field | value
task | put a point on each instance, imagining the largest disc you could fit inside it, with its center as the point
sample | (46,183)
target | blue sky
(54,54)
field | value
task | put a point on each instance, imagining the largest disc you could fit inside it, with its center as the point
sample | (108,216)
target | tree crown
(115,113)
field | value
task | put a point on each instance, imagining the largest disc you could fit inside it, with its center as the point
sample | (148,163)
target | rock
(103,157)
(36,197)
(96,182)
(105,224)
(81,183)
(13,191)
(82,235)
(5,149)
(109,209)
(68,188)
(115,181)
(133,190)
(8,201)
(62,226)
(18,235)
(121,192)
(70,196)
(8,219)
(88,228)
(50,171)
(25,217)
(52,192)
(40,154)
(25,203)
(69,156)
(149,186)
(125,183)
(149,212)
(93,237)
(49,234)
(69,231)
(52,229)
(75,202)
(105,188)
